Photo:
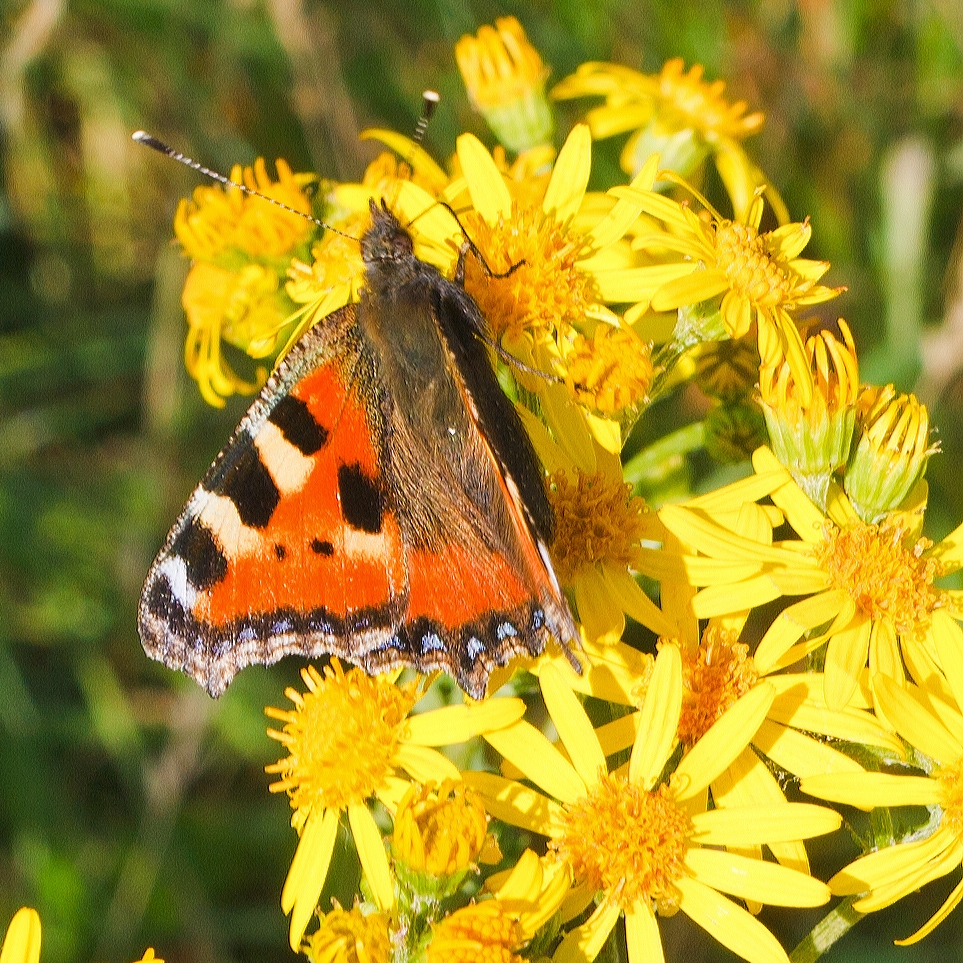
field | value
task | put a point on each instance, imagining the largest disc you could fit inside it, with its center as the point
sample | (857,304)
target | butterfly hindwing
(379,501)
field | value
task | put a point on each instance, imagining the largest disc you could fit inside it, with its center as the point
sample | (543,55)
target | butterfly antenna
(429,103)
(142,137)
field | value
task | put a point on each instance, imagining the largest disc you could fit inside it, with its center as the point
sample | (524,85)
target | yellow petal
(371,852)
(727,599)
(907,709)
(868,790)
(763,824)
(790,625)
(572,725)
(643,941)
(453,724)
(726,738)
(696,528)
(658,719)
(570,177)
(755,879)
(516,804)
(948,637)
(585,942)
(949,904)
(892,865)
(800,754)
(524,746)
(309,870)
(625,213)
(846,656)
(489,194)
(424,764)
(692,288)
(633,601)
(801,513)
(602,620)
(730,924)
(22,942)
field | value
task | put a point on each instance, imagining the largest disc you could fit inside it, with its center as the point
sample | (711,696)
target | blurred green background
(133,810)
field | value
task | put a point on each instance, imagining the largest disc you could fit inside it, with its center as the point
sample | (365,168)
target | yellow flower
(611,371)
(812,439)
(349,936)
(241,246)
(350,738)
(933,725)
(244,308)
(894,431)
(871,587)
(439,830)
(675,114)
(646,846)
(228,227)
(599,527)
(505,79)
(478,933)
(759,277)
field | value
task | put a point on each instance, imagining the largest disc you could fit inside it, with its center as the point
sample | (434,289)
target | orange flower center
(546,289)
(885,578)
(625,841)
(596,520)
(714,676)
(341,738)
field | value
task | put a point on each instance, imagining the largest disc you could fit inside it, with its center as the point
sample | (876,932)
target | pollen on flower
(951,788)
(479,933)
(610,372)
(545,292)
(340,737)
(714,676)
(625,841)
(889,580)
(349,936)
(597,519)
(743,256)
(439,830)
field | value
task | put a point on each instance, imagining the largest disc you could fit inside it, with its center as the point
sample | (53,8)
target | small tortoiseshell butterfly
(380,501)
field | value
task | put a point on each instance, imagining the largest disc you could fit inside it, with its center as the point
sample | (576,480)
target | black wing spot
(205,562)
(321,547)
(293,417)
(280,552)
(248,483)
(362,500)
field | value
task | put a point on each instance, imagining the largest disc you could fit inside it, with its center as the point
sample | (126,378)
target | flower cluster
(751,654)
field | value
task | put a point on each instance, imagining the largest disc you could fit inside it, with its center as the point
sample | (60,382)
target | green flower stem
(827,931)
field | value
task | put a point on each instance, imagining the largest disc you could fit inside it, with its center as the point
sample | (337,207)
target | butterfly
(380,501)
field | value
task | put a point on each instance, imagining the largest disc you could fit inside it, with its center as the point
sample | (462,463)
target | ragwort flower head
(675,113)
(505,79)
(641,845)
(928,717)
(757,277)
(891,452)
(241,246)
(349,936)
(544,273)
(350,739)
(870,588)
(813,438)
